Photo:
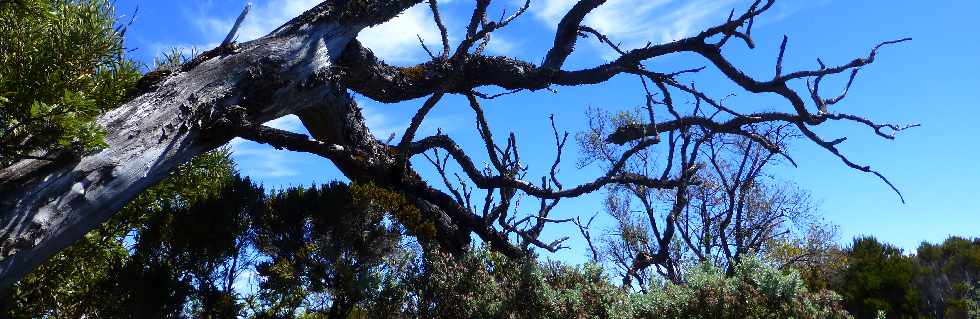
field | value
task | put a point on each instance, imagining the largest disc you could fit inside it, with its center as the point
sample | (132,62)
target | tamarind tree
(310,66)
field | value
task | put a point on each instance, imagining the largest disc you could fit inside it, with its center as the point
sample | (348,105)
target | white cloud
(247,281)
(501,45)
(636,22)
(261,161)
(289,123)
(382,121)
(261,19)
(396,40)
(550,11)
(380,124)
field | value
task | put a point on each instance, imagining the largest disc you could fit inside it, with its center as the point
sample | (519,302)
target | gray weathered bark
(176,115)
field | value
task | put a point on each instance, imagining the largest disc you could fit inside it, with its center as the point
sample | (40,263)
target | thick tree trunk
(44,207)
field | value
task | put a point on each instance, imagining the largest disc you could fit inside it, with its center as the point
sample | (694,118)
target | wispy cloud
(262,19)
(214,23)
(381,124)
(289,122)
(784,9)
(501,45)
(383,121)
(636,22)
(394,41)
(261,161)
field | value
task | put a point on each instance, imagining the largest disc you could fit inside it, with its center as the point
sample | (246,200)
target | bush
(950,281)
(879,278)
(62,67)
(756,290)
(484,284)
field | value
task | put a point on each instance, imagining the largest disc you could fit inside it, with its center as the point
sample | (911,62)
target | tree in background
(879,278)
(324,249)
(816,255)
(182,247)
(950,280)
(199,251)
(734,209)
(938,281)
(63,65)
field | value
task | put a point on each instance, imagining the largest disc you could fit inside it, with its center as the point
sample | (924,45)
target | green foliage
(198,250)
(397,205)
(484,284)
(816,255)
(325,250)
(755,290)
(950,284)
(180,247)
(879,278)
(334,251)
(63,286)
(939,281)
(62,67)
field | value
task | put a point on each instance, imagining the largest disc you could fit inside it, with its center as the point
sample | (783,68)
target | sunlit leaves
(63,65)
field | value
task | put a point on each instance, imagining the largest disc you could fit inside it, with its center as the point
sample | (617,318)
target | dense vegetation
(187,247)
(938,281)
(209,243)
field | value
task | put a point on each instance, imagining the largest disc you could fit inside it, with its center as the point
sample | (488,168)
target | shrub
(484,284)
(756,290)
(63,65)
(879,278)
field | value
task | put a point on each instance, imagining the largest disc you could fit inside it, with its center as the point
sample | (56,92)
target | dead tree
(742,210)
(308,67)
(732,209)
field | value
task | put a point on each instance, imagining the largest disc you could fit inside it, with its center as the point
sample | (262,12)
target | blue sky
(932,80)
